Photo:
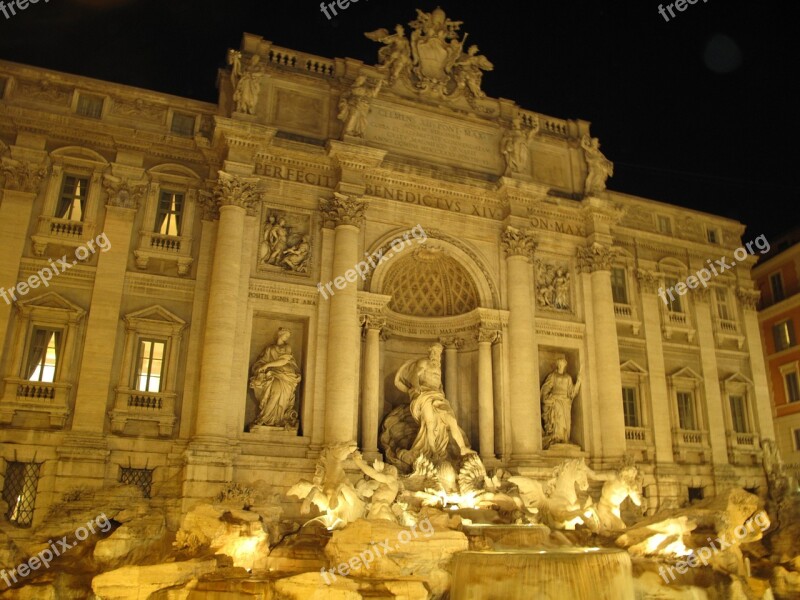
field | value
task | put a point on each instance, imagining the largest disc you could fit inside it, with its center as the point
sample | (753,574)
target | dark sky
(696,111)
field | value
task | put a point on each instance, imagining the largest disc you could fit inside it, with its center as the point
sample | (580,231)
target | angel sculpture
(468,70)
(330,491)
(599,167)
(235,61)
(395,56)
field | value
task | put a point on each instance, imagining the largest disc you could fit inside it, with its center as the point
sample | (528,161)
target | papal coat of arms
(433,60)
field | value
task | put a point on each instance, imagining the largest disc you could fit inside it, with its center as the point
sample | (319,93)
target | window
(776,284)
(170,211)
(664,225)
(783,335)
(696,493)
(619,288)
(796,436)
(686,415)
(3,82)
(72,201)
(141,478)
(183,124)
(711,236)
(43,355)
(674,299)
(630,407)
(19,492)
(90,106)
(739,414)
(151,361)
(792,383)
(723,309)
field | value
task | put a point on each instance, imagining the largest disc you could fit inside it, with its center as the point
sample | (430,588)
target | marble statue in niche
(552,286)
(283,247)
(557,393)
(274,380)
(514,146)
(599,167)
(354,106)
(426,427)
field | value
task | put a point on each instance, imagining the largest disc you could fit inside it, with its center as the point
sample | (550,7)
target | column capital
(487,335)
(121,193)
(517,242)
(233,190)
(372,321)
(451,342)
(595,257)
(748,298)
(343,209)
(23,176)
(648,280)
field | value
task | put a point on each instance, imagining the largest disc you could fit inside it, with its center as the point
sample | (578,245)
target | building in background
(149,362)
(776,275)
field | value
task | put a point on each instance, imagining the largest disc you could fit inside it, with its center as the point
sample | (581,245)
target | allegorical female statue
(275,377)
(558,392)
(422,380)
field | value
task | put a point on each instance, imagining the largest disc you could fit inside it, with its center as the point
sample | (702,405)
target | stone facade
(226,221)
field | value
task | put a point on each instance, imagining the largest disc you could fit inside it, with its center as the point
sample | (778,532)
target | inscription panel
(445,140)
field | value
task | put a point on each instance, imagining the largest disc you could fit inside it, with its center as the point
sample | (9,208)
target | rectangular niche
(548,355)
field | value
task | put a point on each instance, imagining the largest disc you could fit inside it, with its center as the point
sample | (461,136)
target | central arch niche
(430,283)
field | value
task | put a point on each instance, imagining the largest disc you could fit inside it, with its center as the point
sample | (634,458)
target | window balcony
(153,407)
(744,448)
(690,445)
(62,232)
(626,314)
(677,322)
(43,398)
(170,248)
(726,330)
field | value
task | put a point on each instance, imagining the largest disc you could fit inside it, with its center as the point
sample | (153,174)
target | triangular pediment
(686,373)
(53,301)
(738,378)
(630,366)
(155,314)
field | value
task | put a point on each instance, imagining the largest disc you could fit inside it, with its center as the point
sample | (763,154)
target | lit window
(674,299)
(619,288)
(739,414)
(723,309)
(686,414)
(776,283)
(783,335)
(630,407)
(72,201)
(90,106)
(790,379)
(19,492)
(170,211)
(43,355)
(151,360)
(664,225)
(183,124)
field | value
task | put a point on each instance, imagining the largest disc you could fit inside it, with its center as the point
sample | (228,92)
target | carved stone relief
(553,286)
(285,242)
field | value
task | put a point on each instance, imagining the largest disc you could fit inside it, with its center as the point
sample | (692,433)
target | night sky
(699,111)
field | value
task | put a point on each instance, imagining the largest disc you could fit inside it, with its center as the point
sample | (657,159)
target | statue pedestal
(560,450)
(272,431)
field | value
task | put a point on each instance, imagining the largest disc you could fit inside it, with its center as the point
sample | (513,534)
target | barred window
(19,492)
(141,478)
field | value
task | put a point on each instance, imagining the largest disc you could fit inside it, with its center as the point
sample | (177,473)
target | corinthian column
(596,261)
(486,337)
(346,213)
(526,429)
(370,390)
(232,197)
(451,348)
